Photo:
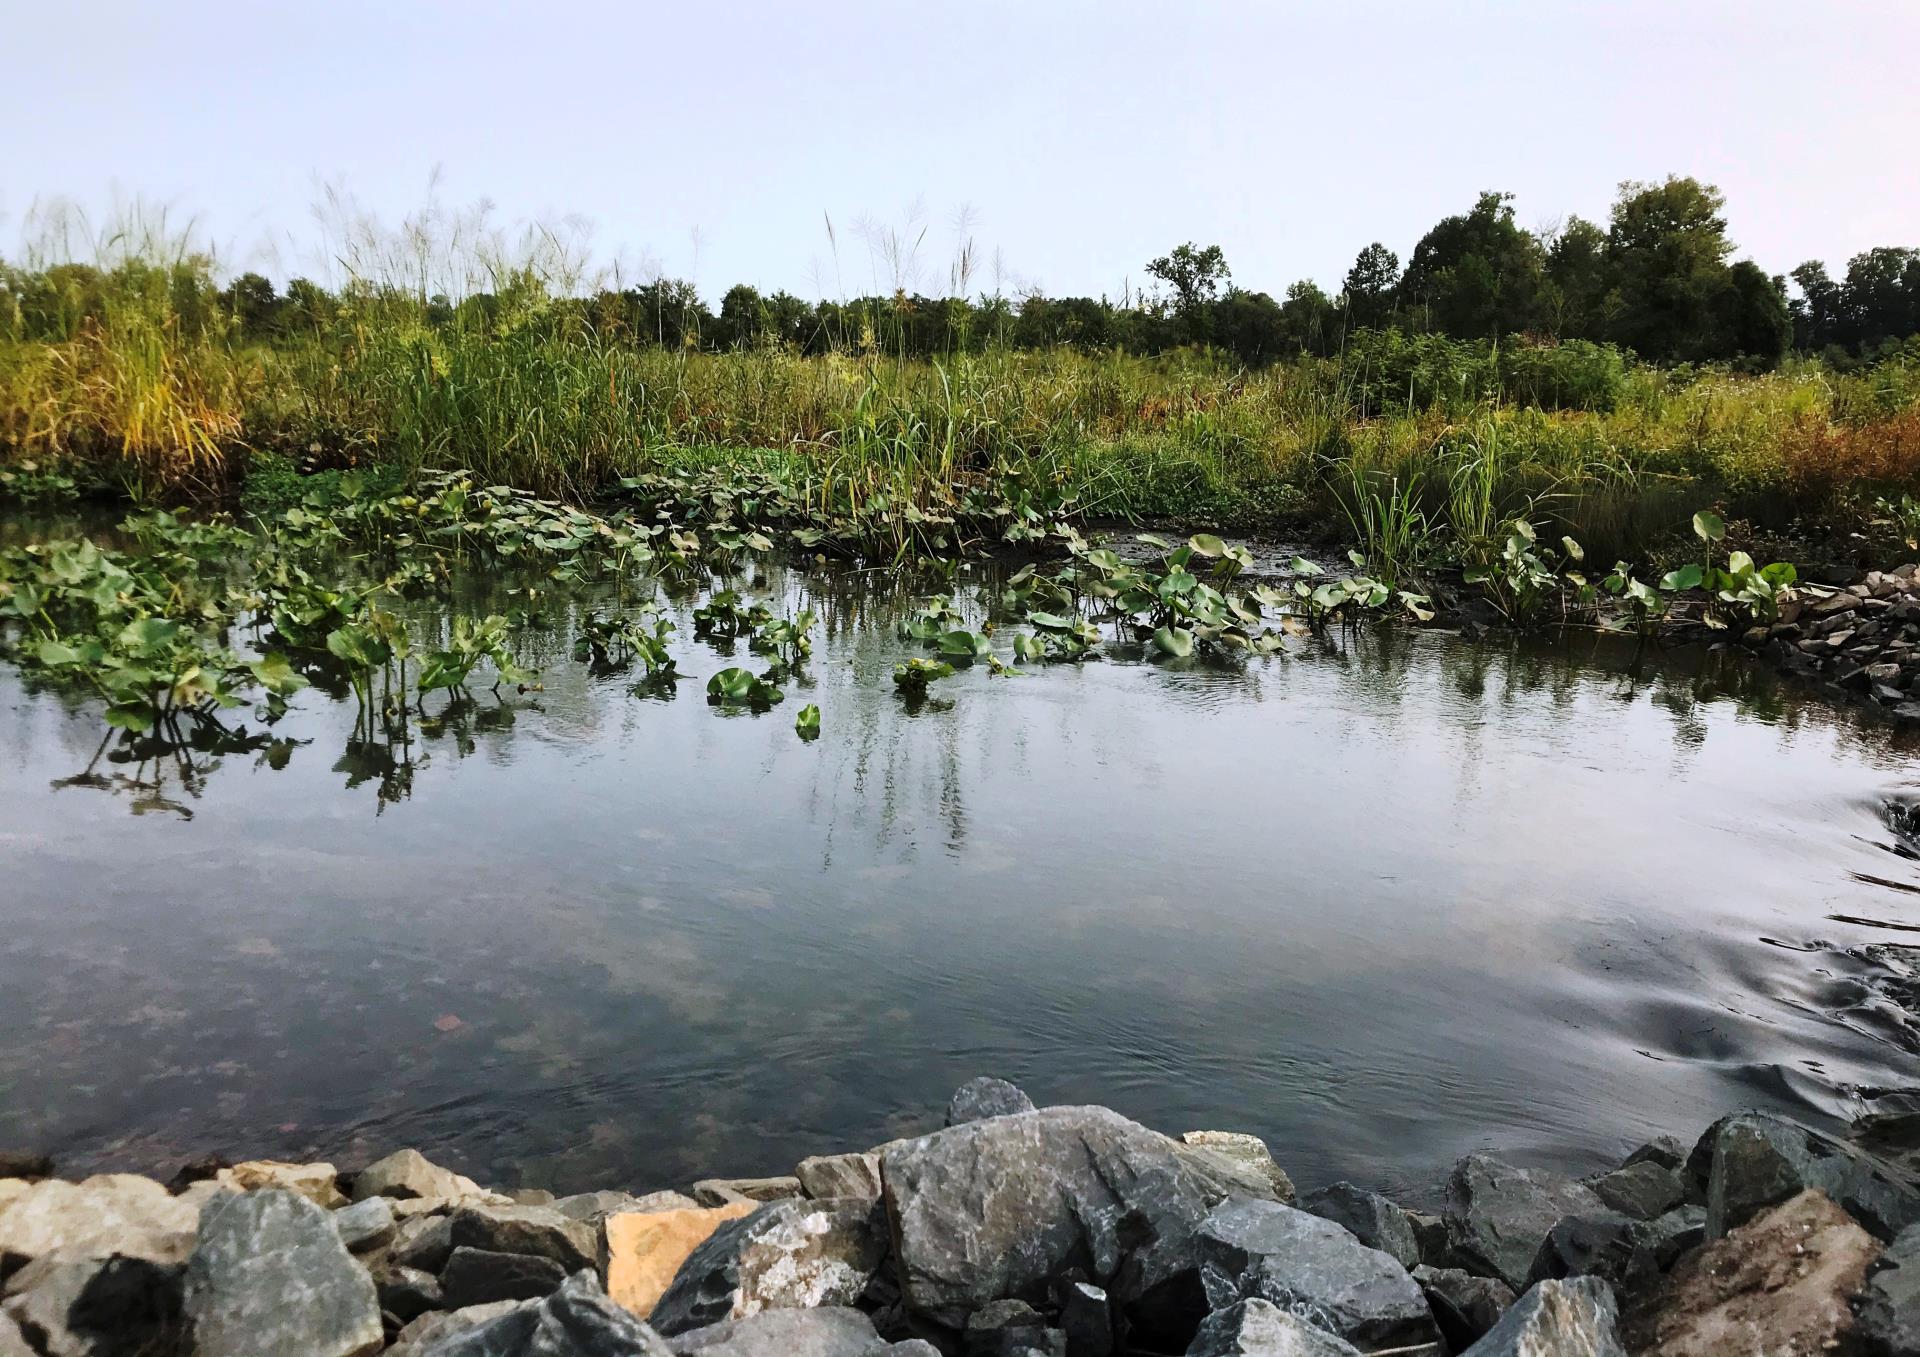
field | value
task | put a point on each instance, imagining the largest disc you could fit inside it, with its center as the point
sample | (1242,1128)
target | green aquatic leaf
(1708,526)
(1685,578)
(1175,641)
(806,722)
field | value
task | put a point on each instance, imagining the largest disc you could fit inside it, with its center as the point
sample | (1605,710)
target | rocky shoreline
(1011,1232)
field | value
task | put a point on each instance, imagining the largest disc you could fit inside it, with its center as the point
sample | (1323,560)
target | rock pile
(1859,642)
(1015,1231)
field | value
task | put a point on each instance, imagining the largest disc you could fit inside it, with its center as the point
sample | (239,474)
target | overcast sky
(715,139)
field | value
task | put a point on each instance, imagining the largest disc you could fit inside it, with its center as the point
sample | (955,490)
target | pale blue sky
(1085,137)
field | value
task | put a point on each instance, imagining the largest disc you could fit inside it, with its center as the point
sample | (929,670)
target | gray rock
(594,1207)
(985,1097)
(1888,1310)
(269,1274)
(423,1333)
(1312,1268)
(407,1174)
(826,1332)
(788,1255)
(1431,1232)
(1602,1244)
(1012,1328)
(66,1304)
(1497,1215)
(840,1175)
(1643,1190)
(1370,1217)
(111,1213)
(1087,1321)
(1463,1305)
(537,1230)
(365,1225)
(1679,1230)
(1241,1163)
(407,1293)
(1575,1318)
(999,1208)
(576,1320)
(1667,1152)
(1756,1159)
(12,1342)
(1259,1328)
(423,1242)
(726,1191)
(481,1276)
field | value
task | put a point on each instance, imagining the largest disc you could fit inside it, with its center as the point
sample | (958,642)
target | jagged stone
(1463,1305)
(1603,1244)
(1643,1190)
(731,1191)
(1888,1311)
(1756,1159)
(645,1249)
(788,1255)
(1310,1267)
(110,1213)
(1086,1319)
(576,1320)
(1259,1328)
(480,1276)
(985,1096)
(846,1176)
(828,1332)
(1431,1232)
(1239,1162)
(1369,1217)
(67,1304)
(1574,1318)
(1679,1230)
(998,1208)
(1011,1328)
(419,1335)
(1778,1284)
(365,1225)
(537,1230)
(318,1183)
(422,1242)
(407,1293)
(408,1174)
(1497,1215)
(269,1274)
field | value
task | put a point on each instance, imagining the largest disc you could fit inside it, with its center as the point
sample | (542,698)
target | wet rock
(407,1293)
(423,1242)
(1778,1284)
(854,1176)
(730,1191)
(1087,1321)
(481,1276)
(576,1320)
(1259,1328)
(1464,1306)
(1497,1215)
(1576,1318)
(1678,1231)
(788,1255)
(1888,1311)
(269,1274)
(998,1208)
(24,1164)
(1756,1159)
(1643,1190)
(424,1333)
(1369,1217)
(1311,1267)
(829,1332)
(1239,1163)
(539,1231)
(408,1174)
(645,1249)
(985,1097)
(1601,1244)
(318,1183)
(365,1225)
(595,1207)
(66,1304)
(111,1213)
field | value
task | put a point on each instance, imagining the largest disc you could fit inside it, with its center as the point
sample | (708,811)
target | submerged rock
(1239,1163)
(999,1208)
(1370,1217)
(1888,1310)
(1756,1160)
(111,1213)
(645,1249)
(269,1274)
(984,1097)
(1464,1306)
(65,1304)
(1259,1328)
(1312,1268)
(576,1320)
(1778,1284)
(1576,1318)
(788,1255)
(1497,1215)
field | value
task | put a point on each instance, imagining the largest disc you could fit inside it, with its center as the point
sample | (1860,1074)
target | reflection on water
(1382,901)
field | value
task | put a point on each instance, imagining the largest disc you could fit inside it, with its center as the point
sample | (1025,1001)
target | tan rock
(109,1213)
(408,1175)
(646,1248)
(1777,1285)
(316,1182)
(11,1188)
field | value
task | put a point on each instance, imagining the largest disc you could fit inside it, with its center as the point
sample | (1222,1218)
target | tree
(1311,322)
(1251,325)
(255,305)
(1196,276)
(1668,247)
(1754,322)
(1882,296)
(1477,275)
(1578,296)
(1369,286)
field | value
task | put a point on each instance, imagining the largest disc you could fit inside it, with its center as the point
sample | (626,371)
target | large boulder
(1755,1160)
(645,1249)
(1888,1311)
(1370,1217)
(1498,1214)
(788,1255)
(269,1274)
(984,1097)
(1558,1319)
(1001,1207)
(1313,1268)
(540,1231)
(1239,1162)
(1778,1284)
(112,1213)
(408,1175)
(1259,1328)
(828,1332)
(576,1320)
(66,1304)
(1463,1305)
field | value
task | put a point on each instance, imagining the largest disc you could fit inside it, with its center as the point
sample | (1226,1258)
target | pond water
(1382,902)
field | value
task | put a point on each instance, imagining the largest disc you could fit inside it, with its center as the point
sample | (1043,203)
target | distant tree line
(1659,279)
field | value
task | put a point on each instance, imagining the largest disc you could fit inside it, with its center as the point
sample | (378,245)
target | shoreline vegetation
(1069,1231)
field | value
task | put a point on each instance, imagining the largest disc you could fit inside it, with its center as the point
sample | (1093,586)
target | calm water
(1381,903)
